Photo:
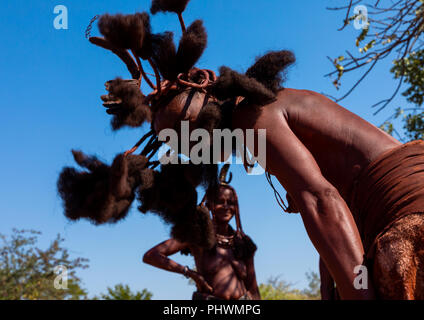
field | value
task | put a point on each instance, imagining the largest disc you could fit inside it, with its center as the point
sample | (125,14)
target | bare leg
(328,289)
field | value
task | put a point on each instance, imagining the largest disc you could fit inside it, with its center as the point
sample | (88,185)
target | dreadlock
(268,69)
(173,197)
(191,47)
(210,117)
(102,194)
(125,103)
(232,84)
(125,31)
(164,55)
(177,6)
(197,229)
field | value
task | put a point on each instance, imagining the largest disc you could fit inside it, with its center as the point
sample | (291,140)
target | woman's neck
(222,229)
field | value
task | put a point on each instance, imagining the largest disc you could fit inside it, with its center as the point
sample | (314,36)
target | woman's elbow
(320,201)
(148,257)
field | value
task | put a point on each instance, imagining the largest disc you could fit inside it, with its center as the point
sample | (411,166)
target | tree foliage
(27,272)
(123,292)
(277,289)
(395,32)
(412,70)
(313,291)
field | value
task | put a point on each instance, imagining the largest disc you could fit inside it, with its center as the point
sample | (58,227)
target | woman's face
(224,207)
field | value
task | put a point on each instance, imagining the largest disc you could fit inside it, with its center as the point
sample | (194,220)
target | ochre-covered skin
(316,149)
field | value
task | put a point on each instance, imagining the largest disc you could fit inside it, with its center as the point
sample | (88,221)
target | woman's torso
(223,272)
(341,142)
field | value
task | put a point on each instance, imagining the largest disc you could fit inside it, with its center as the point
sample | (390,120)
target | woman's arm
(158,257)
(250,282)
(327,219)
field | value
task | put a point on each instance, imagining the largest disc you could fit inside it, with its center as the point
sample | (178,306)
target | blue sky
(50,87)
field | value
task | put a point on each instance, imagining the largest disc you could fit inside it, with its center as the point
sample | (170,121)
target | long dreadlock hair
(103,193)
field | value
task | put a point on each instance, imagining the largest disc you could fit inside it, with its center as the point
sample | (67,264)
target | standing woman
(225,272)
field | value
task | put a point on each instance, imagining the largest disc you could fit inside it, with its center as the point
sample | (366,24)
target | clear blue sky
(50,87)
